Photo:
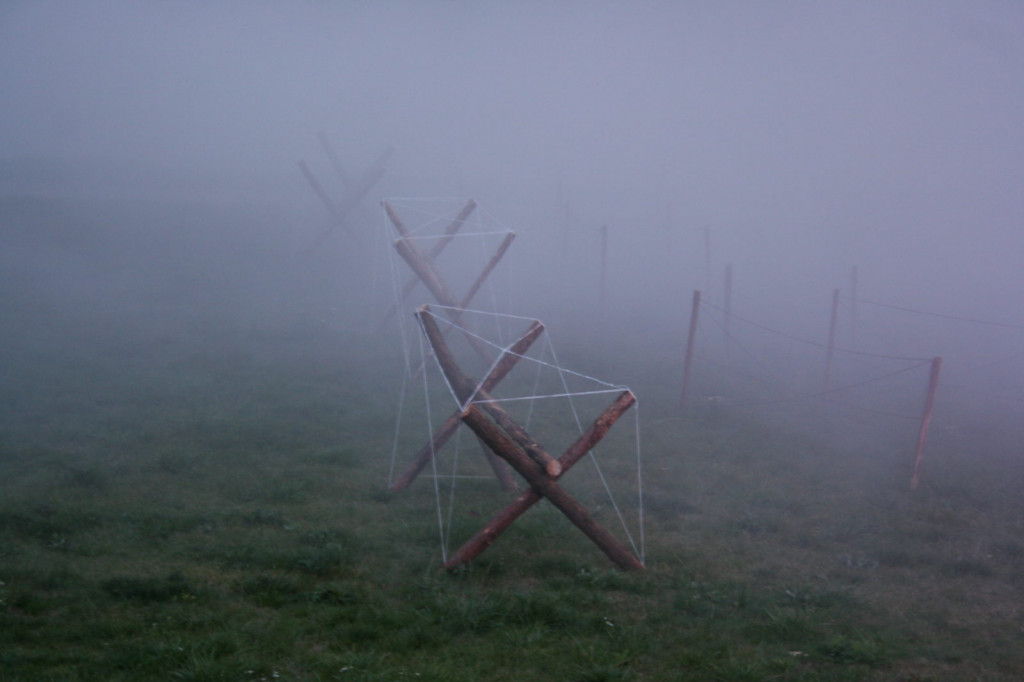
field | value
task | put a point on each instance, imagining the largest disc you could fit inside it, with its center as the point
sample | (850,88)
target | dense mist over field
(148,162)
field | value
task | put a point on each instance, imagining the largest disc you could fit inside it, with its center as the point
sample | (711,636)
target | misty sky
(856,131)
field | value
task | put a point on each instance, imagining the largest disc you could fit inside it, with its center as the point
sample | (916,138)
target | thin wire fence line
(838,389)
(544,396)
(801,395)
(990,323)
(874,334)
(593,454)
(458,235)
(807,341)
(445,519)
(753,356)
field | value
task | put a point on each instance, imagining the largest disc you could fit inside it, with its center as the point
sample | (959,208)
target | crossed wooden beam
(512,443)
(355,188)
(508,359)
(439,246)
(425,268)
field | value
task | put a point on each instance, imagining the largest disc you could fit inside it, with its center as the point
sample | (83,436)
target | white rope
(451,483)
(433,463)
(398,430)
(544,396)
(639,483)
(594,459)
(438,237)
(555,367)
(407,359)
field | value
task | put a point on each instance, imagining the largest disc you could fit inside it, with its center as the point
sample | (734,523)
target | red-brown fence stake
(853,296)
(728,309)
(691,339)
(604,269)
(831,338)
(926,418)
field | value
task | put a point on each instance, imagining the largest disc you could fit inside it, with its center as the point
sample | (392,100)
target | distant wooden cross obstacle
(354,188)
(512,443)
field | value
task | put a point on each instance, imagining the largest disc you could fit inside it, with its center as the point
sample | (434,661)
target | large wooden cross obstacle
(354,189)
(510,441)
(439,246)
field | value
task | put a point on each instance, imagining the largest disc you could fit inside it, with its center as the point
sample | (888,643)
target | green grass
(238,529)
(212,506)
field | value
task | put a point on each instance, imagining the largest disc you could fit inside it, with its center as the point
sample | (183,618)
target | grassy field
(176,507)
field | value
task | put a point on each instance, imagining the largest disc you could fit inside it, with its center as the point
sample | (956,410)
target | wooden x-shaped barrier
(426,270)
(511,442)
(449,233)
(355,188)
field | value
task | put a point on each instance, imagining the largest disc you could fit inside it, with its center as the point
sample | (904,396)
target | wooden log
(486,536)
(466,390)
(345,176)
(435,251)
(412,255)
(707,258)
(501,368)
(500,467)
(547,487)
(319,190)
(503,444)
(491,264)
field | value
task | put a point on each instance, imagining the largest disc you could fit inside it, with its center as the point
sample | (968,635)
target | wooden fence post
(727,323)
(853,296)
(691,339)
(831,338)
(926,418)
(604,270)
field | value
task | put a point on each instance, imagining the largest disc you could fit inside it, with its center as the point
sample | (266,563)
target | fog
(794,141)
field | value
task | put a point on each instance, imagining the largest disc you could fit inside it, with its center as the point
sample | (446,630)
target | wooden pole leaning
(509,441)
(926,419)
(691,340)
(434,252)
(501,368)
(427,273)
(830,348)
(498,523)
